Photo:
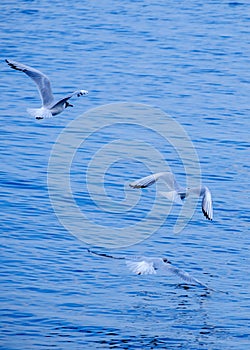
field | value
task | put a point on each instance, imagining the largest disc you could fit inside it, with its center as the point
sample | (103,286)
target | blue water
(191,60)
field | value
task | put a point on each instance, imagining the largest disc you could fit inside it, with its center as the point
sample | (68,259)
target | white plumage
(49,106)
(178,194)
(142,265)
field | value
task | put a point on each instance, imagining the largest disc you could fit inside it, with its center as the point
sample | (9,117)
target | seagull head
(82,92)
(165,260)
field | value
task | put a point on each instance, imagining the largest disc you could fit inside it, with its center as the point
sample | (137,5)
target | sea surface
(168,86)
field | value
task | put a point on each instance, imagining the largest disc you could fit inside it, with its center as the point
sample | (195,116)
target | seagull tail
(39,113)
(173,196)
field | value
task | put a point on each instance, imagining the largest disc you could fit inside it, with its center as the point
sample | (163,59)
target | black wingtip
(10,64)
(13,66)
(137,186)
(206,215)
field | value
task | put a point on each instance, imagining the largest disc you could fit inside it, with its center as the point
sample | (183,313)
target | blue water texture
(189,59)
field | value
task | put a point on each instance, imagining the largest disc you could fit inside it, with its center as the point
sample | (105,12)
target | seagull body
(178,194)
(142,265)
(50,107)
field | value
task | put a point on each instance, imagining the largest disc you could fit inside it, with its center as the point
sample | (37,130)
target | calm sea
(158,73)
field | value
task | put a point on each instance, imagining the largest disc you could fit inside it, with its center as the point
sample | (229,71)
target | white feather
(39,113)
(141,267)
(173,196)
(177,194)
(49,106)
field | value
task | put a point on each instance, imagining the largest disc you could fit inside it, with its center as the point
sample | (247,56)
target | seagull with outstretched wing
(178,194)
(50,107)
(142,265)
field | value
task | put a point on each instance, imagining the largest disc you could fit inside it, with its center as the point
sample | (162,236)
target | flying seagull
(178,194)
(142,265)
(50,107)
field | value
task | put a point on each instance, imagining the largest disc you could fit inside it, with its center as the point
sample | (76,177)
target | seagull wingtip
(136,186)
(206,215)
(131,185)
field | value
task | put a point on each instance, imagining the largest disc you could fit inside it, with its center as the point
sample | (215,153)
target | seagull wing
(185,276)
(106,255)
(207,204)
(138,265)
(65,99)
(39,78)
(147,181)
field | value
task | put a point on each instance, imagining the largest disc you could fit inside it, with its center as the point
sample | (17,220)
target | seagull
(49,106)
(178,194)
(142,265)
